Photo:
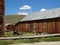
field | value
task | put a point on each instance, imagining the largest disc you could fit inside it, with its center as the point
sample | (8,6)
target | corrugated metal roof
(53,13)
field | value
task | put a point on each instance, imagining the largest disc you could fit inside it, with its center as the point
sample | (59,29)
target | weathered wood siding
(10,28)
(39,27)
(57,25)
(2,18)
(49,26)
(26,27)
(22,27)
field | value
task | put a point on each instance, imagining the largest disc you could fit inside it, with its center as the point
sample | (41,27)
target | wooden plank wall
(10,28)
(58,25)
(39,27)
(50,26)
(22,27)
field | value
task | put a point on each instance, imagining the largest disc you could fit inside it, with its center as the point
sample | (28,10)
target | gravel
(40,43)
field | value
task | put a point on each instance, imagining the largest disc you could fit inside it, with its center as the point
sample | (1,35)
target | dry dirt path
(41,43)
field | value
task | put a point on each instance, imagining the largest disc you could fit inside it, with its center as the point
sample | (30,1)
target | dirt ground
(41,43)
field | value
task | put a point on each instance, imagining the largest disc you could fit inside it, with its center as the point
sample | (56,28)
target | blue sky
(13,6)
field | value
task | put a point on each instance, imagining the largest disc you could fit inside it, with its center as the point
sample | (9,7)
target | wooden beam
(1,18)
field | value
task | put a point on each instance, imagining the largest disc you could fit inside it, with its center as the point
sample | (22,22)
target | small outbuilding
(39,22)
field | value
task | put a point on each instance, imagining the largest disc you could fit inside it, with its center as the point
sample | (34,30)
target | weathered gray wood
(28,37)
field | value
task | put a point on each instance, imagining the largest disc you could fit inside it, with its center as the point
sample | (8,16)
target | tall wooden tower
(2,18)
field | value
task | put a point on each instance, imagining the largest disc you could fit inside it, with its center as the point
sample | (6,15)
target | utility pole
(2,18)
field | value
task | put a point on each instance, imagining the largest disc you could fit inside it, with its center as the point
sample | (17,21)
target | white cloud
(25,7)
(43,9)
(22,13)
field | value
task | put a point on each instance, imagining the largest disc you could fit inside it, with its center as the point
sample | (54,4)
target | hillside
(13,18)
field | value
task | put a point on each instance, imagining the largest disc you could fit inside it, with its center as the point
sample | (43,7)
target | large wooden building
(39,22)
(1,17)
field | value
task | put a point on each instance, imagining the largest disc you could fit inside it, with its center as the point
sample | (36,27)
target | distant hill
(13,18)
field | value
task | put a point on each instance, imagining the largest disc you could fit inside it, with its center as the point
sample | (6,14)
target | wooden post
(1,18)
